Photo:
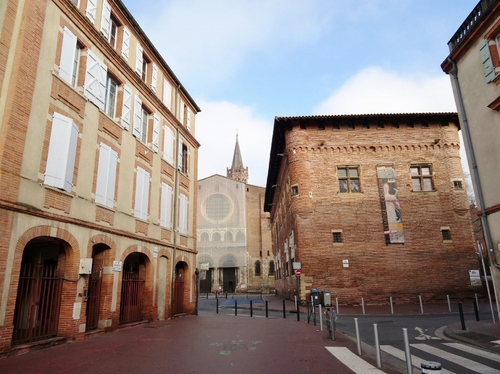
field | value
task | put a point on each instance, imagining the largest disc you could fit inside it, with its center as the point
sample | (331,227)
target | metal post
(235,307)
(284,312)
(197,273)
(320,319)
(477,301)
(476,310)
(332,324)
(337,304)
(421,305)
(449,304)
(217,305)
(461,311)
(363,304)
(298,309)
(377,345)
(392,307)
(251,309)
(267,311)
(407,352)
(358,342)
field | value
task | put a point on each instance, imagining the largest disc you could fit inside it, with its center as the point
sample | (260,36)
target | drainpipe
(489,242)
(176,191)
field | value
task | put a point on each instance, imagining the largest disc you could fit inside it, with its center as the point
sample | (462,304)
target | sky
(244,62)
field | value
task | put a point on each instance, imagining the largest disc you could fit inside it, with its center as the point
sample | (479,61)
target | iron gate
(38,302)
(94,300)
(131,297)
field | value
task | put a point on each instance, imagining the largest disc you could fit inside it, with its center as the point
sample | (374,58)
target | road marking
(424,336)
(465,362)
(352,361)
(415,360)
(476,351)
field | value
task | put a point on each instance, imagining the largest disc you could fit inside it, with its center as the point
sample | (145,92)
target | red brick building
(97,172)
(371,206)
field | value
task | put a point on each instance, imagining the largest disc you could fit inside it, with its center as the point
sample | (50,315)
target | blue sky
(246,61)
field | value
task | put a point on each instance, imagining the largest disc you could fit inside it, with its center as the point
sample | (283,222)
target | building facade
(474,69)
(97,172)
(370,206)
(234,236)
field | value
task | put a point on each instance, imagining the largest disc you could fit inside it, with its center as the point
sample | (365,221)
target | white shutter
(167,94)
(126,43)
(154,78)
(183,214)
(106,19)
(156,133)
(181,112)
(145,196)
(489,69)
(106,176)
(62,153)
(67,55)
(91,10)
(179,155)
(188,119)
(126,107)
(166,205)
(136,131)
(139,185)
(95,80)
(139,60)
(168,145)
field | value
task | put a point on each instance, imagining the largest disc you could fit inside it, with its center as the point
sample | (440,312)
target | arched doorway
(133,288)
(38,301)
(95,286)
(180,278)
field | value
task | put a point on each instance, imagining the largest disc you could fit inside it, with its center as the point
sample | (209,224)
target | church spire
(237,171)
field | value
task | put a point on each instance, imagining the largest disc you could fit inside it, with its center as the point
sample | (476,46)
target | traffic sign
(297,272)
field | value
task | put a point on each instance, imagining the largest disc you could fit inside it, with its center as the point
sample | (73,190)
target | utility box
(315,296)
(327,298)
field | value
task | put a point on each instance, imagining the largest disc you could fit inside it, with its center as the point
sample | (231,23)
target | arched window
(271,267)
(204,237)
(240,237)
(228,237)
(257,267)
(216,237)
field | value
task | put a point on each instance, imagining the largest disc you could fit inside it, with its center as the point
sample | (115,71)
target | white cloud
(375,90)
(216,129)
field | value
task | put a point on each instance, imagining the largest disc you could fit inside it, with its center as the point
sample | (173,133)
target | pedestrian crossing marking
(465,362)
(476,351)
(415,360)
(352,361)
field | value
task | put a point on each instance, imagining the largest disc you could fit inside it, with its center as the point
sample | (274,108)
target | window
(271,267)
(167,94)
(109,24)
(113,32)
(141,64)
(70,58)
(295,190)
(141,194)
(62,153)
(183,157)
(457,185)
(337,237)
(168,145)
(110,97)
(106,176)
(141,117)
(166,206)
(348,179)
(183,214)
(257,268)
(421,177)
(445,233)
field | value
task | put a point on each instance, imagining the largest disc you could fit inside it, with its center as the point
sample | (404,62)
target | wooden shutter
(489,70)
(188,119)
(154,78)
(136,131)
(167,94)
(62,153)
(106,176)
(126,43)
(91,10)
(106,20)
(126,107)
(156,133)
(166,205)
(138,60)
(168,145)
(95,80)
(67,55)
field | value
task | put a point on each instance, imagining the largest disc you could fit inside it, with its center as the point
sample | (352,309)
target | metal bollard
(407,351)
(377,345)
(235,307)
(358,341)
(430,367)
(476,310)
(284,311)
(251,309)
(461,312)
(267,311)
(217,306)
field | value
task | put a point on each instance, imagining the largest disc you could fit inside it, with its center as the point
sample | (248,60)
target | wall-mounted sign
(117,266)
(475,277)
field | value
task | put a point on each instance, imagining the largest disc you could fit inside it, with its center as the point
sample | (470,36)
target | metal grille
(38,303)
(131,297)
(94,300)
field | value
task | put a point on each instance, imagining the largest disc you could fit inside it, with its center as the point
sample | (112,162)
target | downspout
(176,191)
(489,242)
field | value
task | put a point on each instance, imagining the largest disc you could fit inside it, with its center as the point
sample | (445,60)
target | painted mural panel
(391,208)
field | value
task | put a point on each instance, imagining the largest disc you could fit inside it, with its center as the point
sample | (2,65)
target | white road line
(353,361)
(466,363)
(415,360)
(475,351)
